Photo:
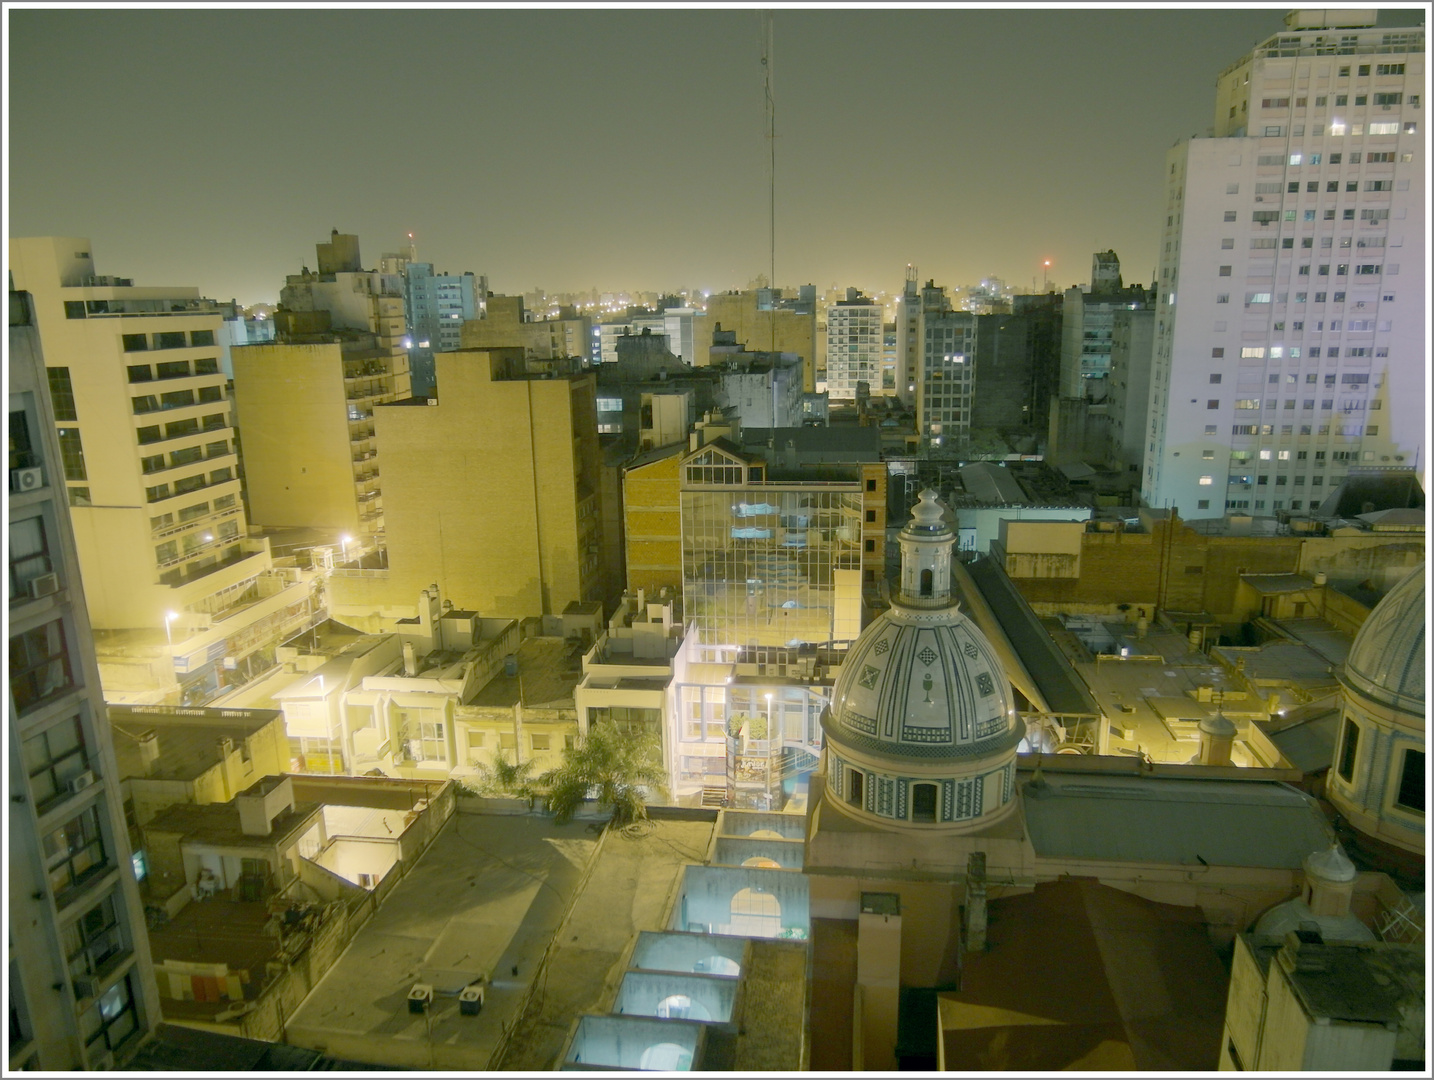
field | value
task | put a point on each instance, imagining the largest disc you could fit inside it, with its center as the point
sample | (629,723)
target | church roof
(1386,661)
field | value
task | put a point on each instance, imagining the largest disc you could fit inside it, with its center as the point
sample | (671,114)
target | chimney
(149,751)
(225,746)
(1329,882)
(1217,738)
(1321,578)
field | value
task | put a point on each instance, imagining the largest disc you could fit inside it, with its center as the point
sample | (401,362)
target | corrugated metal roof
(1181,822)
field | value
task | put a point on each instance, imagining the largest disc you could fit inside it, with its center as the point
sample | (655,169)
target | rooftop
(188,738)
(547,675)
(217,824)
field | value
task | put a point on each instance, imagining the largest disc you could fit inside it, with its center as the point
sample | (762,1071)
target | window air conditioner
(44,585)
(420,998)
(87,986)
(26,479)
(84,780)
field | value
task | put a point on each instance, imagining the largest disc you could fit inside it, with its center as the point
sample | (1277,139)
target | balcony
(234,550)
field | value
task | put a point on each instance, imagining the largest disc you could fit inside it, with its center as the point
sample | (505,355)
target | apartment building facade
(81,991)
(1290,327)
(854,344)
(184,601)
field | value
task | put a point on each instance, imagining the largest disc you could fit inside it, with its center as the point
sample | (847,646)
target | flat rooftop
(547,675)
(487,895)
(188,738)
(217,824)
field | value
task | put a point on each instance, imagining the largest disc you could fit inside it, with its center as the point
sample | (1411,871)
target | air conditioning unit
(420,998)
(87,986)
(44,585)
(470,1001)
(27,479)
(84,780)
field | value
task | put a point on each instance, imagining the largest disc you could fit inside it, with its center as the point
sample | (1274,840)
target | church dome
(921,704)
(1386,661)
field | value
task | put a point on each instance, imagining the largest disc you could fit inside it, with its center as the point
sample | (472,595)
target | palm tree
(621,768)
(511,778)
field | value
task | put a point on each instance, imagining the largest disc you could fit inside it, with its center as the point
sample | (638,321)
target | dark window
(871,516)
(54,758)
(871,485)
(188,483)
(170,339)
(93,940)
(75,852)
(29,555)
(206,367)
(39,665)
(177,399)
(871,546)
(152,464)
(221,476)
(62,393)
(213,421)
(149,435)
(173,369)
(201,337)
(145,403)
(181,427)
(186,456)
(156,493)
(854,779)
(140,373)
(1411,781)
(211,393)
(113,1019)
(135,342)
(216,449)
(72,454)
(1349,748)
(926,576)
(74,309)
(923,802)
(22,453)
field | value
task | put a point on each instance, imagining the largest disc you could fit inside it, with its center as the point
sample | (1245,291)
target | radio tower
(771,107)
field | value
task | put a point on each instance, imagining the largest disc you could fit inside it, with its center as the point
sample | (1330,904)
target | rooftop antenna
(771,106)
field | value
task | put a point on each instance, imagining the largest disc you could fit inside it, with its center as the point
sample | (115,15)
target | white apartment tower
(80,987)
(854,345)
(183,600)
(1290,342)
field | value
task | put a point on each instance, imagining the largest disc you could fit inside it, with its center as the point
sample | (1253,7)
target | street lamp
(169,617)
(344,541)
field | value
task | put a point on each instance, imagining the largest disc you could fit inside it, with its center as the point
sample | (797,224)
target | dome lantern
(926,544)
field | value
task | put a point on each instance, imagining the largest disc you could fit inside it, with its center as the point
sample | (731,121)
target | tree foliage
(620,769)
(513,779)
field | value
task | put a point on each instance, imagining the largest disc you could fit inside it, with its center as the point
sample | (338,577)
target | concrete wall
(652,525)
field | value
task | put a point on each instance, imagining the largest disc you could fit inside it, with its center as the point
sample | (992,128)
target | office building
(946,371)
(854,342)
(307,399)
(914,303)
(1290,333)
(80,989)
(183,601)
(1087,328)
(492,494)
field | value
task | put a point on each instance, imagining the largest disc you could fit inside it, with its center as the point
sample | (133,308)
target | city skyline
(672,99)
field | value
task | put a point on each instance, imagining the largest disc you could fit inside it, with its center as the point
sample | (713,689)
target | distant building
(854,346)
(80,988)
(505,324)
(946,376)
(763,320)
(437,305)
(1127,395)
(307,399)
(1088,325)
(1301,332)
(1105,272)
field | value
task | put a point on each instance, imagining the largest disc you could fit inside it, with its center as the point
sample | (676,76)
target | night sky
(621,150)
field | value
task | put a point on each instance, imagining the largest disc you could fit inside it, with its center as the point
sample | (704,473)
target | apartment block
(80,988)
(854,343)
(505,324)
(307,400)
(436,306)
(946,374)
(764,321)
(1290,328)
(183,600)
(493,494)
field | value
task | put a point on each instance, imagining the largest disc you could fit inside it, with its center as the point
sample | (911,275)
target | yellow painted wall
(482,492)
(758,331)
(652,515)
(298,463)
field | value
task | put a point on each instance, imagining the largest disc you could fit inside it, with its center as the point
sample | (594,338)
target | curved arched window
(926,580)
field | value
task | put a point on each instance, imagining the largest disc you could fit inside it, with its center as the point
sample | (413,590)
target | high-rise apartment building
(436,306)
(854,346)
(306,401)
(1290,333)
(147,456)
(915,301)
(945,369)
(1088,323)
(80,987)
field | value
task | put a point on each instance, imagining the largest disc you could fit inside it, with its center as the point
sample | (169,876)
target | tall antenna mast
(771,105)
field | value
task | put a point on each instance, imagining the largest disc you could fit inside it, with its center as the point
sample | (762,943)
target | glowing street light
(344,541)
(169,617)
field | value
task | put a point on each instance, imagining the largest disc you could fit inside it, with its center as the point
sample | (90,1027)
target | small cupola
(926,544)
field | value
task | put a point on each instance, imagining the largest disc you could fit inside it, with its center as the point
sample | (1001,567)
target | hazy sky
(617,149)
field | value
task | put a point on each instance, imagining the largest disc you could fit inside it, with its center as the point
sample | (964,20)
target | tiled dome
(1386,661)
(922,682)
